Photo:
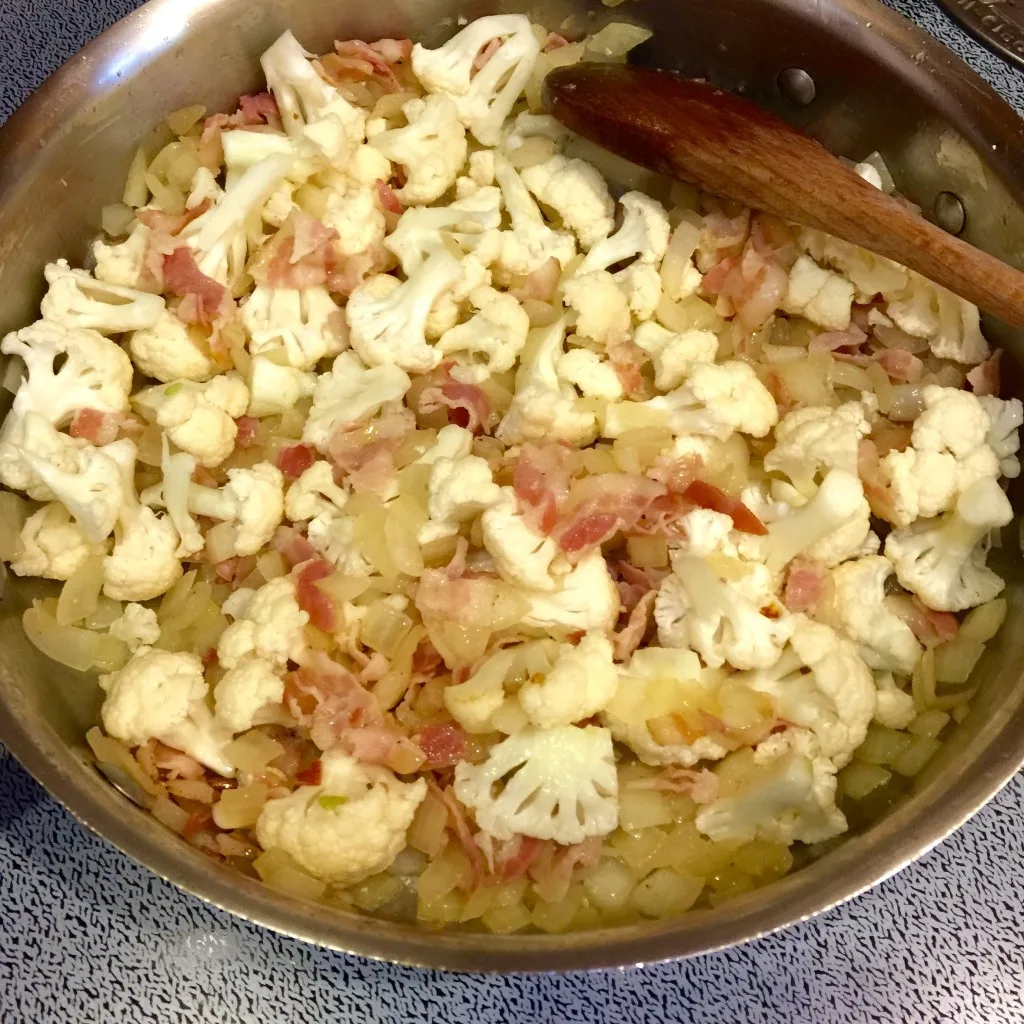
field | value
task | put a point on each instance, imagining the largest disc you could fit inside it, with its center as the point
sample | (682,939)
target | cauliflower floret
(485,98)
(275,389)
(310,107)
(813,439)
(122,264)
(272,627)
(736,621)
(819,295)
(75,299)
(431,147)
(855,605)
(350,394)
(835,699)
(718,399)
(951,324)
(475,703)
(578,193)
(704,532)
(352,825)
(602,310)
(314,494)
(51,545)
(162,695)
(594,377)
(949,453)
(252,499)
(530,243)
(893,708)
(357,217)
(786,794)
(137,626)
(641,283)
(387,318)
(335,538)
(367,166)
(523,556)
(943,560)
(585,599)
(544,407)
(169,350)
(559,784)
(200,418)
(675,355)
(580,684)
(830,528)
(1005,419)
(248,695)
(658,682)
(644,234)
(307,323)
(144,562)
(458,489)
(491,340)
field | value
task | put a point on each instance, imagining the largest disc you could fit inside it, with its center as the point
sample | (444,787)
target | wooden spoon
(726,145)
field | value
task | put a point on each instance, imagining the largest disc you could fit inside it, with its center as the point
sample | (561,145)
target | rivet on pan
(949,212)
(797,86)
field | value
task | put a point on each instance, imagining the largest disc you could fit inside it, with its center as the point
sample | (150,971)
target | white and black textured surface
(88,937)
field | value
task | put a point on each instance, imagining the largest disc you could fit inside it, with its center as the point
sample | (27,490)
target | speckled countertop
(88,937)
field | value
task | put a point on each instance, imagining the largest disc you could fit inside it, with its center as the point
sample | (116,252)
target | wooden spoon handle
(726,145)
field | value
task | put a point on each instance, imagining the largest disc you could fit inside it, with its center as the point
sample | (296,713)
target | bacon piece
(95,426)
(900,366)
(293,546)
(541,482)
(312,600)
(248,431)
(554,42)
(183,277)
(175,763)
(443,744)
(311,775)
(513,857)
(929,626)
(606,504)
(829,341)
(631,636)
(876,487)
(805,581)
(162,223)
(723,234)
(716,278)
(295,460)
(425,660)
(236,570)
(468,406)
(388,200)
(985,377)
(701,785)
(706,495)
(366,458)
(300,255)
(256,111)
(460,826)
(540,284)
(259,108)
(377,57)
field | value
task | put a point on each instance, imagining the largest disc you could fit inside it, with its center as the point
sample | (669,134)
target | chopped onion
(170,200)
(384,628)
(506,920)
(404,520)
(883,746)
(929,723)
(271,565)
(280,872)
(448,871)
(168,813)
(342,588)
(982,623)
(79,595)
(105,613)
(136,192)
(647,552)
(614,41)
(955,660)
(252,752)
(114,754)
(882,387)
(239,808)
(375,892)
(850,376)
(182,121)
(535,150)
(642,808)
(907,402)
(610,884)
(681,248)
(859,778)
(14,512)
(117,220)
(79,649)
(220,542)
(665,893)
(427,831)
(920,751)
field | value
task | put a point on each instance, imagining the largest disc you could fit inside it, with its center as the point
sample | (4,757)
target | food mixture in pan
(460,538)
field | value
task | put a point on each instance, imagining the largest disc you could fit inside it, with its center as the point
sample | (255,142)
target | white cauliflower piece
(248,695)
(335,538)
(162,695)
(357,217)
(821,684)
(314,494)
(252,499)
(137,626)
(786,795)
(272,626)
(580,684)
(51,545)
(349,394)
(305,322)
(431,147)
(475,703)
(675,354)
(559,784)
(458,490)
(951,325)
(75,299)
(718,399)
(588,372)
(275,389)
(705,532)
(644,234)
(170,350)
(737,621)
(814,439)
(352,825)
(641,283)
(523,556)
(855,605)
(489,342)
(485,98)
(602,309)
(122,264)
(943,560)
(657,682)
(545,407)
(578,193)
(819,295)
(387,318)
(585,599)
(1005,419)
(893,708)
